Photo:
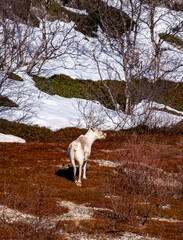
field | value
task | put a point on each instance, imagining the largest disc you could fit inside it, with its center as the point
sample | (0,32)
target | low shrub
(38,134)
(65,86)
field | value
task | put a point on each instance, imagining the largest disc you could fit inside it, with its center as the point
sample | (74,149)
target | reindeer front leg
(86,156)
(84,169)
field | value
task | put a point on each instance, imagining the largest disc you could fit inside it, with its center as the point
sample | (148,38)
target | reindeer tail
(72,149)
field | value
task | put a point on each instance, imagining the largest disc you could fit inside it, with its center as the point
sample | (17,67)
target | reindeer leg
(84,169)
(74,170)
(85,163)
(79,180)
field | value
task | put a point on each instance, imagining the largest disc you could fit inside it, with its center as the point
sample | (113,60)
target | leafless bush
(132,61)
(91,114)
(26,47)
(141,187)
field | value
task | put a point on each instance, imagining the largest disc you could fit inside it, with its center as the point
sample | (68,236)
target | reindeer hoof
(78,184)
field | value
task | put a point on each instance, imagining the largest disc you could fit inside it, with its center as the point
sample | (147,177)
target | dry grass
(35,177)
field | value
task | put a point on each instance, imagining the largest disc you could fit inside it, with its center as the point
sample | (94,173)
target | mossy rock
(34,20)
(88,24)
(101,14)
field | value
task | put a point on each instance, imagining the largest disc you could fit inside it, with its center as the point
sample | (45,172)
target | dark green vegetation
(165,92)
(15,77)
(38,134)
(29,12)
(36,177)
(65,86)
(19,10)
(98,12)
(45,135)
(172,39)
(170,94)
(6,102)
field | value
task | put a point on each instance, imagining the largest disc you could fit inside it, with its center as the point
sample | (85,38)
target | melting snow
(10,138)
(56,112)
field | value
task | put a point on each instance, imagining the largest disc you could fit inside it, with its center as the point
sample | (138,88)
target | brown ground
(143,194)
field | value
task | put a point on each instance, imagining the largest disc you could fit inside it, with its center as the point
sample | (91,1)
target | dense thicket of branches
(22,45)
(140,61)
(142,57)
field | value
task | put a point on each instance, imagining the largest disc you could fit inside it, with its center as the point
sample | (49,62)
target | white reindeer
(80,149)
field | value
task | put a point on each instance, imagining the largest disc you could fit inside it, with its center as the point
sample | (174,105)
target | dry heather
(134,188)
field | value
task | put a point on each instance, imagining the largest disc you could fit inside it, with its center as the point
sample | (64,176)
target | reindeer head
(98,133)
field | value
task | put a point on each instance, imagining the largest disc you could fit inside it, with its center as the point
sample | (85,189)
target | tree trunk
(128,105)
(43,42)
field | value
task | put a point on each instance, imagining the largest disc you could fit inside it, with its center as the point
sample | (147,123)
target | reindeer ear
(93,128)
(92,122)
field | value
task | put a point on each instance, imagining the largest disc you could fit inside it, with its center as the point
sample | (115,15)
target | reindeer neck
(90,136)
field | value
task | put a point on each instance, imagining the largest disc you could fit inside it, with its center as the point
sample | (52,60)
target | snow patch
(105,163)
(84,12)
(76,212)
(10,138)
(12,215)
(56,112)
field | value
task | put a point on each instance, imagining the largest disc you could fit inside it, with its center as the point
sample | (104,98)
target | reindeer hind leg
(71,153)
(78,183)
(74,170)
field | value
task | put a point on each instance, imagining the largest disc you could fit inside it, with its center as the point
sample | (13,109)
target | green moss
(171,94)
(15,77)
(55,9)
(6,102)
(172,39)
(165,92)
(65,86)
(61,85)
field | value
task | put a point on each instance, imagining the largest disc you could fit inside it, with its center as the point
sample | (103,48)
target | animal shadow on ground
(67,173)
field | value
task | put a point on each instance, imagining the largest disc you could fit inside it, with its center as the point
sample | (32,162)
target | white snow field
(57,112)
